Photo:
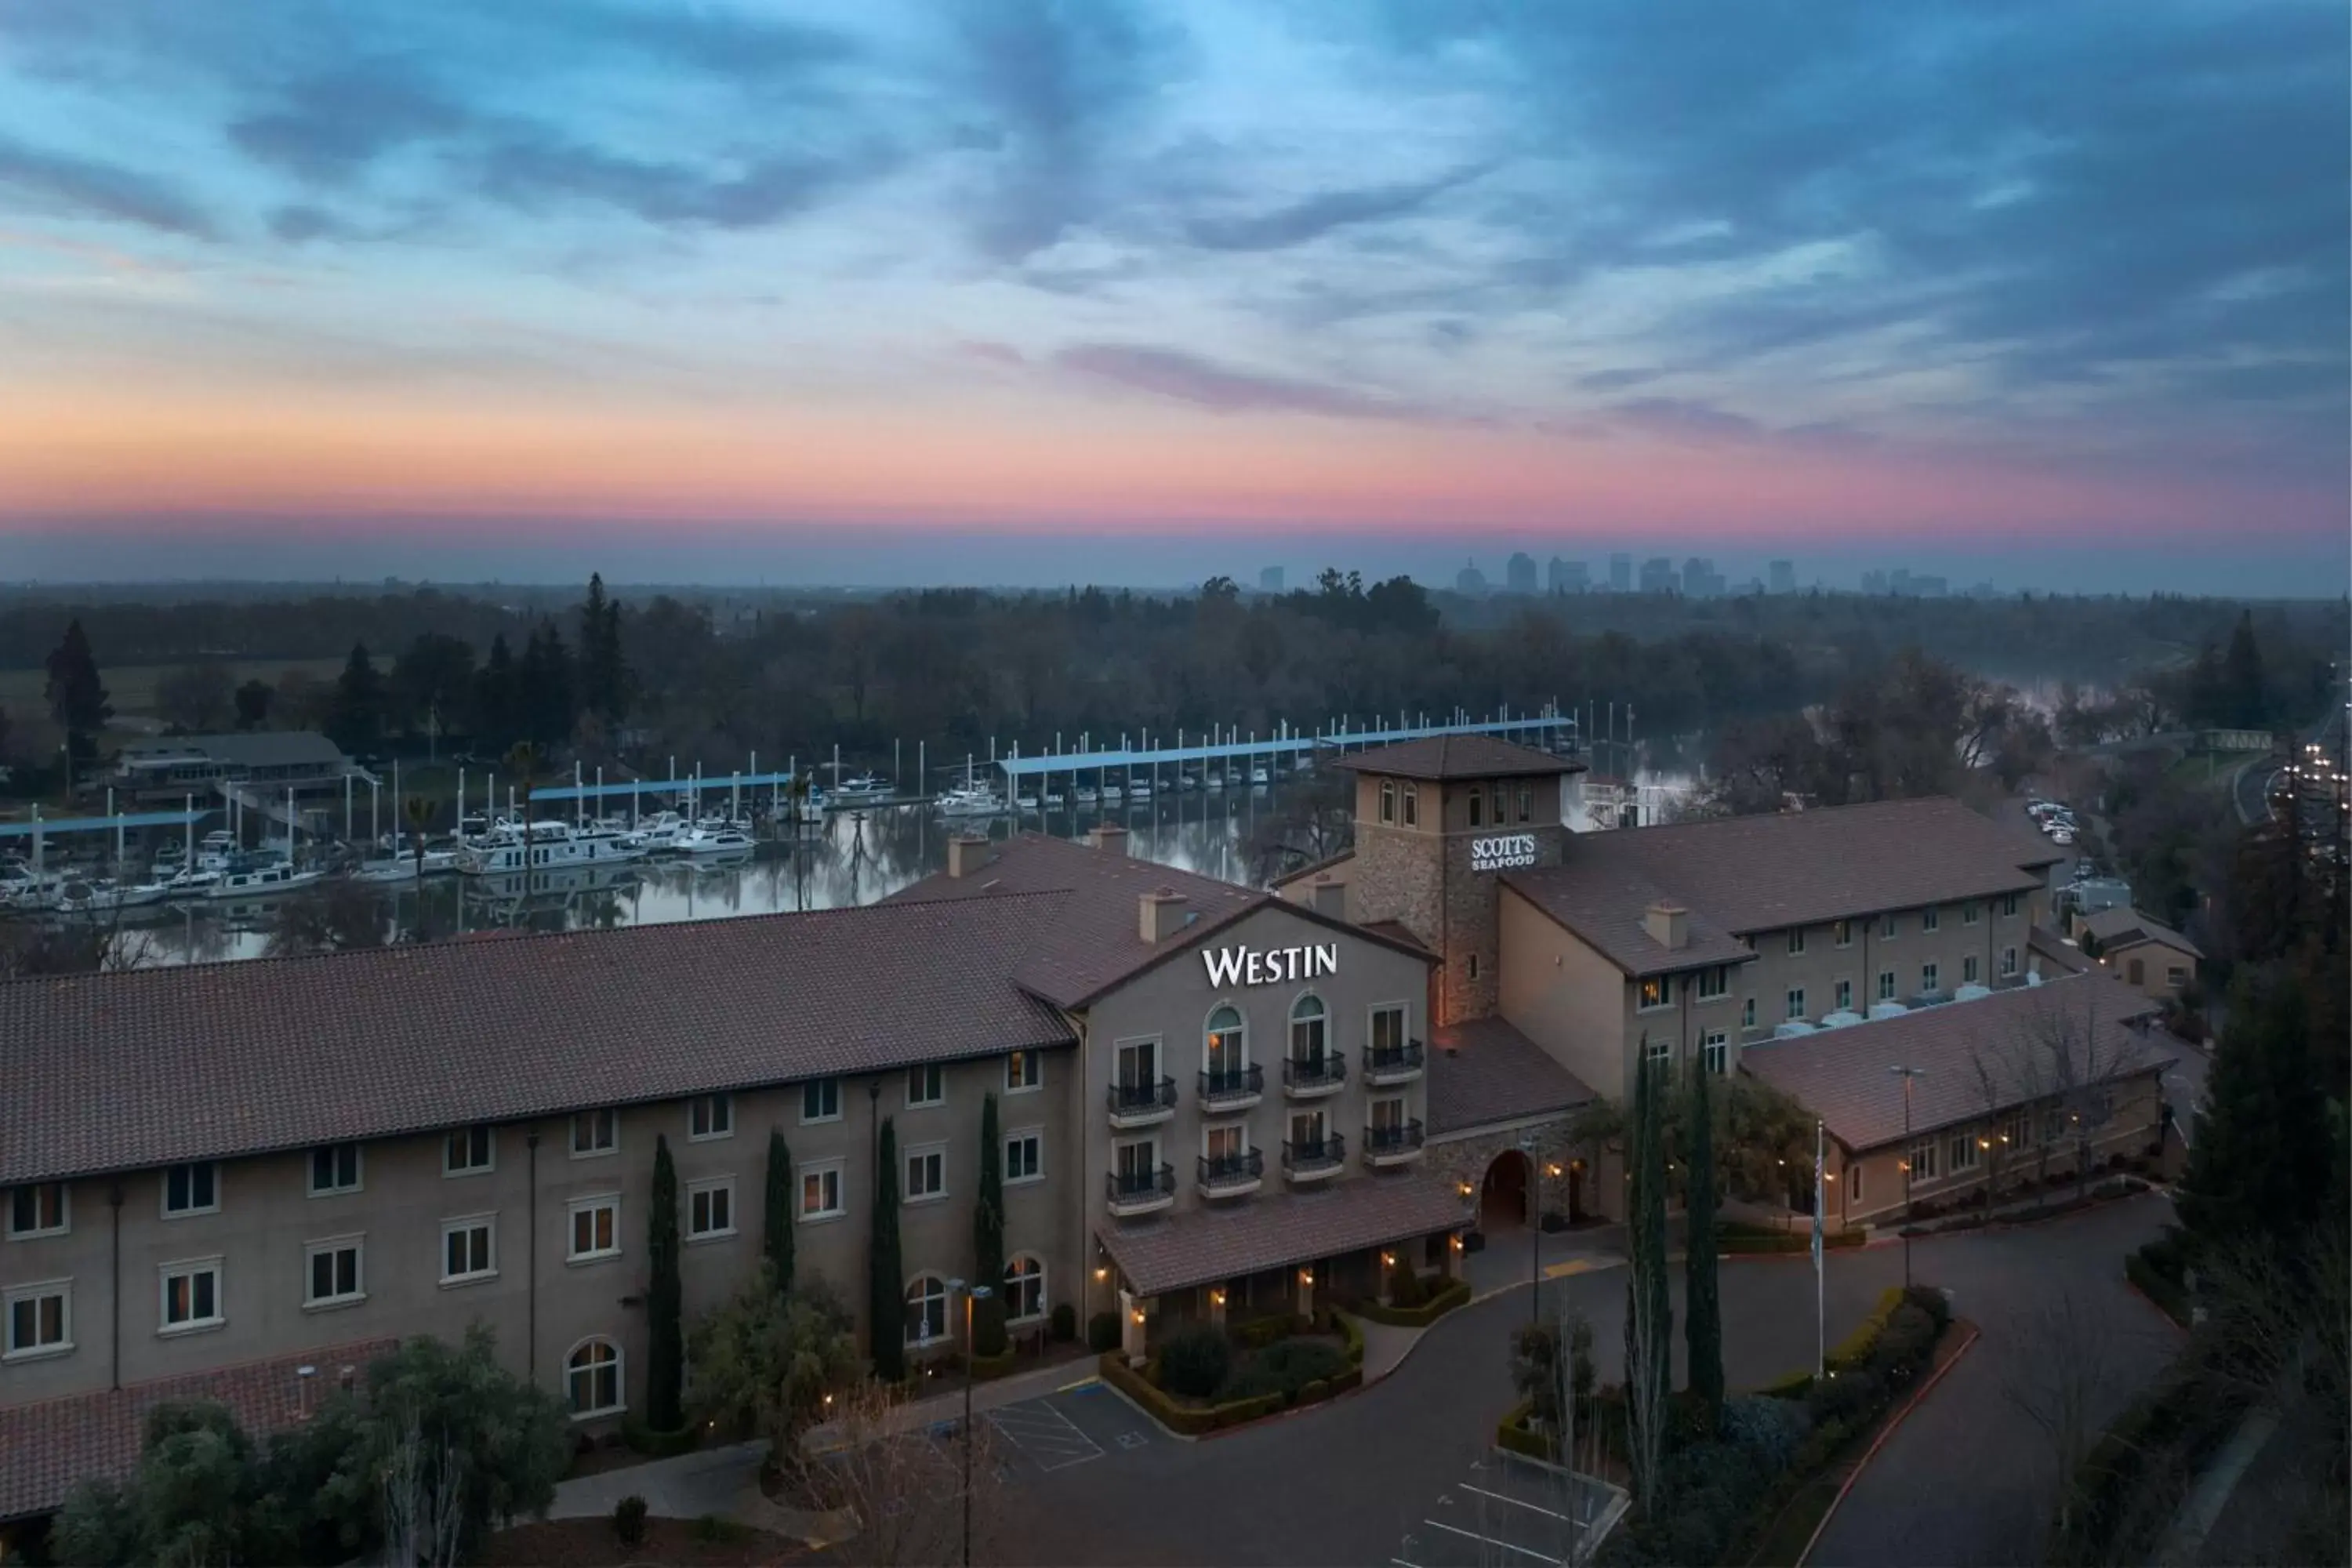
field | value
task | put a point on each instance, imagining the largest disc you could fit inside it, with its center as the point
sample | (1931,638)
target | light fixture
(1464,1188)
(1457,1242)
(1307,1277)
(1555,1171)
(1101,1273)
(1139,1315)
(1216,1298)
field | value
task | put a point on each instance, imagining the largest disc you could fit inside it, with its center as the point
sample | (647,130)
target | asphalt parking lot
(1073,1427)
(1505,1510)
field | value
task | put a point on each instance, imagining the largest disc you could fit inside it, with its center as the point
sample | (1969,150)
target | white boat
(546,845)
(263,882)
(1055,798)
(970,800)
(1187,781)
(101,896)
(1139,789)
(1112,791)
(811,806)
(863,787)
(192,882)
(1085,794)
(661,832)
(1258,775)
(1026,800)
(1213,780)
(715,841)
(405,869)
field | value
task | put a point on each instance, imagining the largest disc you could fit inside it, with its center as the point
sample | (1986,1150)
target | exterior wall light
(1307,1277)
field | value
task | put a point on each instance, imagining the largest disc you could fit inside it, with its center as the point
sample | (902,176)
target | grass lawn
(2207,769)
(132,687)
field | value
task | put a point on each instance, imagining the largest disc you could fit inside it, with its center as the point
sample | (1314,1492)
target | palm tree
(525,760)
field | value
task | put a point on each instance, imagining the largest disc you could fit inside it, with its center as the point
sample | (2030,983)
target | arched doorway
(1503,1195)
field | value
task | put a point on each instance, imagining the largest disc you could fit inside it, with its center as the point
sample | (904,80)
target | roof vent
(1329,897)
(1161,914)
(1668,925)
(1107,836)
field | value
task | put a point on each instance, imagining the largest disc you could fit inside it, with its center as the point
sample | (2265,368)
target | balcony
(1130,1193)
(1386,1065)
(1387,1146)
(1304,1162)
(1141,1104)
(1314,1078)
(1232,1175)
(1232,1089)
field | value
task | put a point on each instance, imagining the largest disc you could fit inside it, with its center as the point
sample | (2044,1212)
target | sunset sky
(1001,290)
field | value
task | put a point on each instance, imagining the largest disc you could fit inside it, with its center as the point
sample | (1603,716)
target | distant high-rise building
(1470,581)
(1621,574)
(1269,579)
(1658,575)
(1567,576)
(1784,576)
(1701,580)
(1874,582)
(1519,573)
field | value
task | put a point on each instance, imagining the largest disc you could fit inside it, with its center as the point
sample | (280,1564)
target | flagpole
(1820,1312)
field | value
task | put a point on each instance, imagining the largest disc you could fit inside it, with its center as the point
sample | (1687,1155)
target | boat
(811,806)
(660,834)
(405,869)
(1213,780)
(1085,794)
(865,788)
(100,896)
(970,800)
(1113,792)
(715,841)
(1139,789)
(1187,781)
(1259,777)
(545,844)
(194,882)
(1055,798)
(1026,800)
(263,881)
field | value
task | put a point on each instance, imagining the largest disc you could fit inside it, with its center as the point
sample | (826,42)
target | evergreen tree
(253,704)
(543,701)
(2265,1150)
(1702,1303)
(665,1343)
(496,724)
(2243,686)
(988,1237)
(1649,1314)
(356,721)
(887,1300)
(779,1217)
(603,673)
(76,699)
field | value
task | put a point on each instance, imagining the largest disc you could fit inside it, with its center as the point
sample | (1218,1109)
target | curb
(1878,1442)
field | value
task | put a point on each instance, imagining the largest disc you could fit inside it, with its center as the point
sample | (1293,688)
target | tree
(666,1347)
(356,720)
(2243,694)
(2261,1164)
(195,1497)
(764,1359)
(76,699)
(432,685)
(543,688)
(196,696)
(1703,1319)
(905,1489)
(525,763)
(887,1300)
(988,1237)
(253,700)
(498,714)
(778,1216)
(1649,1316)
(603,673)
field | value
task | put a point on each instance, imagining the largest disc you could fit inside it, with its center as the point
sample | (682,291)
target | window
(596,1132)
(710,1208)
(1138,1066)
(926,1085)
(821,1190)
(468,1152)
(1960,1152)
(1307,1128)
(1796,1002)
(1652,990)
(1716,1050)
(2008,905)
(820,1099)
(709,1116)
(1527,803)
(36,1210)
(1388,1115)
(591,1378)
(1970,914)
(2174,975)
(2008,961)
(1478,807)
(2054,1124)
(191,1189)
(1412,804)
(1308,1030)
(1473,966)
(1930,979)
(1658,1053)
(595,1227)
(330,1273)
(1025,1290)
(1025,1071)
(1228,1044)
(334,1168)
(39,1320)
(1842,933)
(1747,1012)
(927,1173)
(1845,995)
(1024,1156)
(1854,1185)
(468,1248)
(1886,928)
(1388,1030)
(1714,984)
(1968,969)
(1931,919)
(192,1295)
(926,1310)
(1223,1145)
(1796,940)
(1138,1166)
(2018,1130)
(1387,800)
(1886,985)
(1923,1161)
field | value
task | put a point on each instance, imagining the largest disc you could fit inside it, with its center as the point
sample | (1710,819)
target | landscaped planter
(1420,1316)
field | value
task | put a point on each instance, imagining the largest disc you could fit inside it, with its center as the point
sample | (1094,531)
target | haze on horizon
(1140,290)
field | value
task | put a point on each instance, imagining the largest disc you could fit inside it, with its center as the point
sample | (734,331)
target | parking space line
(1491,1540)
(1051,1439)
(1516,1502)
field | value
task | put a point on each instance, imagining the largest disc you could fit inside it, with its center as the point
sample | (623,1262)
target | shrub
(1102,1333)
(1405,1288)
(1315,1392)
(1064,1324)
(1432,1308)
(1260,1333)
(629,1520)
(1195,1362)
(713,1531)
(1295,1364)
(1771,1429)
(1351,1335)
(655,1444)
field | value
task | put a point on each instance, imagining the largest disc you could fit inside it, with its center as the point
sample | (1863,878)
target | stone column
(1388,1264)
(1132,1309)
(1306,1292)
(1452,1256)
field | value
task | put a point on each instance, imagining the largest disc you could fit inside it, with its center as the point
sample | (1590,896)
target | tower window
(1412,804)
(1387,800)
(1478,807)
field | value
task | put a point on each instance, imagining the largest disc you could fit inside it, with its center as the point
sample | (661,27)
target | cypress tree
(1649,1355)
(1702,1326)
(77,699)
(665,1349)
(887,1300)
(988,1237)
(779,1217)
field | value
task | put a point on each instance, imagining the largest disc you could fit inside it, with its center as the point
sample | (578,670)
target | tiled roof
(248,748)
(1335,865)
(1484,1071)
(1978,1058)
(1458,757)
(1604,906)
(2120,928)
(2061,954)
(209,1061)
(46,1446)
(1760,873)
(1204,1245)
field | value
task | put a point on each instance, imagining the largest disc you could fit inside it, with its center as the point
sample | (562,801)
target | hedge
(2169,1294)
(1511,1434)
(984,1367)
(1352,1332)
(1419,1316)
(2123,1494)
(1192,1420)
(1854,1348)
(643,1440)
(1770,1241)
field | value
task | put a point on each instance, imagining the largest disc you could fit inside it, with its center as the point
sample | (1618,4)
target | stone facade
(1596,1173)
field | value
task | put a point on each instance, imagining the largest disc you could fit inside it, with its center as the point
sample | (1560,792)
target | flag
(1818,1204)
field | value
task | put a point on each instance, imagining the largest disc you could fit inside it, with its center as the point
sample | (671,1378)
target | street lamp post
(972,1293)
(1906,1074)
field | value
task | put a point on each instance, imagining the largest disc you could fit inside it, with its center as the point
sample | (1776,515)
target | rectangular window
(1854,1185)
(1387,1029)
(191,1189)
(1473,966)
(1412,804)
(1138,1164)
(334,1168)
(192,1295)
(1387,800)
(1968,969)
(1713,983)
(331,1273)
(1796,1002)
(1388,1115)
(1651,992)
(1796,940)
(1223,1144)
(1842,933)
(1138,1063)
(2016,1132)
(1886,985)
(468,1152)
(1923,1161)
(1886,928)
(595,1227)
(2008,905)
(709,1116)
(927,1173)
(1845,995)
(1960,1151)
(1717,1048)
(2008,961)
(1930,979)
(36,1210)
(1931,919)
(39,1320)
(1025,1071)
(1024,1156)
(820,1099)
(468,1248)
(821,1190)
(1478,807)
(1747,1012)
(710,1208)
(2174,975)
(596,1132)
(1527,803)
(1971,913)
(926,1085)
(1658,1053)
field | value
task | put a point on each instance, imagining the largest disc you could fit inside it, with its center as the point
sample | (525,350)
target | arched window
(1307,1029)
(1387,800)
(1227,1049)
(926,1310)
(1025,1290)
(592,1376)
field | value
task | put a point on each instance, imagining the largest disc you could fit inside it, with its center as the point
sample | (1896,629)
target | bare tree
(424,1503)
(903,1492)
(2058,1069)
(2061,1376)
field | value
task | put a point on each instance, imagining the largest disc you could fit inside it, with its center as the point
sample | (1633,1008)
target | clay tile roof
(1458,757)
(2121,928)
(2062,955)
(210,1061)
(1484,1071)
(46,1447)
(1208,1245)
(1841,1075)
(1605,904)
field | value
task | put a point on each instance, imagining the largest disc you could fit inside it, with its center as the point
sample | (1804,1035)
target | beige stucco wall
(2156,958)
(1563,995)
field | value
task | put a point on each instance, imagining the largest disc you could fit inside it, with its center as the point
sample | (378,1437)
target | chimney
(967,853)
(1107,836)
(1331,897)
(1668,924)
(1163,914)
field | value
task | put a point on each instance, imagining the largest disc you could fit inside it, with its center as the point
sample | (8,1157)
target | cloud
(529,170)
(329,127)
(1319,214)
(1675,419)
(1185,378)
(79,187)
